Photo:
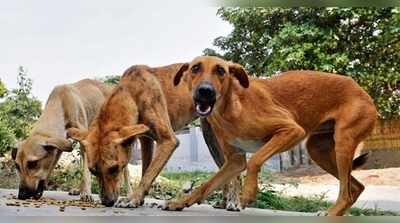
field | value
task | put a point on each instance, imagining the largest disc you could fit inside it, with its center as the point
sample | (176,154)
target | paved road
(52,210)
(382,197)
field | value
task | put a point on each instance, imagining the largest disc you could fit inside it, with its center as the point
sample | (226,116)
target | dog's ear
(77,134)
(179,74)
(14,151)
(240,74)
(128,133)
(57,143)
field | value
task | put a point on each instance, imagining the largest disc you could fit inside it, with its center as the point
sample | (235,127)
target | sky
(62,42)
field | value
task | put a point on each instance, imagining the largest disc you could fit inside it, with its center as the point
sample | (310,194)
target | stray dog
(144,104)
(72,105)
(269,116)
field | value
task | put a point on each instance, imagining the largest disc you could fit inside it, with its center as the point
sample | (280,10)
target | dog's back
(178,98)
(309,93)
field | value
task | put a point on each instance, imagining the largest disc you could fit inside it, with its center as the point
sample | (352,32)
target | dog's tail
(359,161)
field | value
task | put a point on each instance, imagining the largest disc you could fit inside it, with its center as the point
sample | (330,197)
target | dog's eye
(196,68)
(113,170)
(32,164)
(220,71)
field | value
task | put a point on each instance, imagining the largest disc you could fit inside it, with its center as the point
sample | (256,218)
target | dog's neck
(229,105)
(179,98)
(120,102)
(52,121)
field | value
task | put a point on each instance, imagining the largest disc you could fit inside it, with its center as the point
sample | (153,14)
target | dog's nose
(25,193)
(108,200)
(108,203)
(206,91)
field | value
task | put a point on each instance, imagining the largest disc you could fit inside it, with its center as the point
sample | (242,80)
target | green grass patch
(184,176)
(270,199)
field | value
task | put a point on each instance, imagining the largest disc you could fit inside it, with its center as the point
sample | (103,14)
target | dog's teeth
(198,108)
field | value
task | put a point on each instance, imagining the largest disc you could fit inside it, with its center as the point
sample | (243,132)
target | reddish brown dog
(269,116)
(145,101)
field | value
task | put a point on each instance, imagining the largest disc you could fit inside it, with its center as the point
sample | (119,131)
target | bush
(6,137)
(18,112)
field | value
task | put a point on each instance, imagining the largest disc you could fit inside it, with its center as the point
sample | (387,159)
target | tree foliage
(363,43)
(111,79)
(3,89)
(18,111)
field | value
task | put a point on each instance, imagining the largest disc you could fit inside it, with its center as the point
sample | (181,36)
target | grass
(270,199)
(181,177)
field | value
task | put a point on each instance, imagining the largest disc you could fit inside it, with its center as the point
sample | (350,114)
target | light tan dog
(145,99)
(268,116)
(72,105)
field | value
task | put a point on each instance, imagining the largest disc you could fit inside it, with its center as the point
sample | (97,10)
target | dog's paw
(74,192)
(125,202)
(232,206)
(173,206)
(248,196)
(322,213)
(86,197)
(245,201)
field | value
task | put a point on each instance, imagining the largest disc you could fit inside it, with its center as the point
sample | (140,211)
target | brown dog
(147,96)
(35,158)
(268,116)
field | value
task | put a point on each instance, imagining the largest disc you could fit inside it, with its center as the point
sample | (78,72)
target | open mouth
(203,109)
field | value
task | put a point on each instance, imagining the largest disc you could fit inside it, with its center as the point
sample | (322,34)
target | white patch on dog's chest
(250,146)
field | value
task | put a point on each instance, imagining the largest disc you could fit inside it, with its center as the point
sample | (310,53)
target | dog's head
(209,79)
(35,158)
(107,155)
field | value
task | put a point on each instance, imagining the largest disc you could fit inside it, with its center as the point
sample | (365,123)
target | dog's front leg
(166,144)
(86,184)
(283,139)
(234,165)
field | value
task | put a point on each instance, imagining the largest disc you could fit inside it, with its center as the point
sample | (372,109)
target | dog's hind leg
(351,128)
(320,148)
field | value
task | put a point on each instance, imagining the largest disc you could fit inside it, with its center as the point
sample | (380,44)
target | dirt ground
(315,175)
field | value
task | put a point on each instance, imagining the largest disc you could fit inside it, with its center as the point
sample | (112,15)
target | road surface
(53,210)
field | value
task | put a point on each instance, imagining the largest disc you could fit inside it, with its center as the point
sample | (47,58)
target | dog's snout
(205,91)
(108,203)
(108,200)
(25,192)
